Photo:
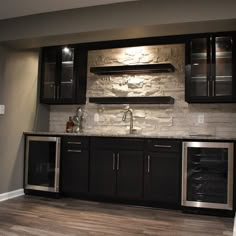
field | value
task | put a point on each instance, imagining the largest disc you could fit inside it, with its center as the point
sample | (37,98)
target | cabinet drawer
(118,143)
(156,145)
(75,142)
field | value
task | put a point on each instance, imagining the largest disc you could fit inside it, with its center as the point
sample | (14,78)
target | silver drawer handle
(213,88)
(74,142)
(208,88)
(148,168)
(118,161)
(162,146)
(113,160)
(58,90)
(69,150)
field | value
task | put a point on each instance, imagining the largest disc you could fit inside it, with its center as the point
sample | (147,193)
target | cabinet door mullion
(234,67)
(58,72)
(209,67)
(213,65)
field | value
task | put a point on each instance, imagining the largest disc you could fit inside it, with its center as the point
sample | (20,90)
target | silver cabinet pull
(118,161)
(69,150)
(213,88)
(208,88)
(162,146)
(113,160)
(74,143)
(148,166)
(54,92)
(58,91)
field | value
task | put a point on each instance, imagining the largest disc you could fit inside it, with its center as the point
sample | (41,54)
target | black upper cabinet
(130,174)
(210,74)
(103,173)
(63,80)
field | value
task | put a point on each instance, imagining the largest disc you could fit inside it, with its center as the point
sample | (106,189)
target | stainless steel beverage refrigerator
(42,160)
(207,175)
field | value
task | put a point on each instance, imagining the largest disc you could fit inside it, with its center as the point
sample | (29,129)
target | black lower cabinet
(115,169)
(74,165)
(130,174)
(102,173)
(122,169)
(162,178)
(162,173)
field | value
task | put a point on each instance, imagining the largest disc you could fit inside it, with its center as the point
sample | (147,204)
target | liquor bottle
(69,125)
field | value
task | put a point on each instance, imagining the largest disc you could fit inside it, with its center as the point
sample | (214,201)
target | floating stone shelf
(132,100)
(133,69)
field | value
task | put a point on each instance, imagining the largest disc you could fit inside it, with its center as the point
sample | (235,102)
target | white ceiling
(17,8)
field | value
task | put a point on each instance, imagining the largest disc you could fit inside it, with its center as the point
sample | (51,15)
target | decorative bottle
(69,125)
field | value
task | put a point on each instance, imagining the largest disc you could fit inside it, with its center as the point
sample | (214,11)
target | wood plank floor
(36,216)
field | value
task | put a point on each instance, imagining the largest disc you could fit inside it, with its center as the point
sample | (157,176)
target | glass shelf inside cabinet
(224,55)
(67,82)
(68,63)
(199,78)
(200,55)
(222,78)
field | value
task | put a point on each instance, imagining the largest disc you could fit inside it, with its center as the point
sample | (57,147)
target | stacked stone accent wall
(178,119)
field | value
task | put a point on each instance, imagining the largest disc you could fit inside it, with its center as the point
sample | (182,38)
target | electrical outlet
(96,117)
(200,119)
(2,109)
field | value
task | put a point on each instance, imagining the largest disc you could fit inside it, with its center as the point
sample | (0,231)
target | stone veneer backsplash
(178,119)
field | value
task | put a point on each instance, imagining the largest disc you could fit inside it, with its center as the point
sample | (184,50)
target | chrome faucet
(131,119)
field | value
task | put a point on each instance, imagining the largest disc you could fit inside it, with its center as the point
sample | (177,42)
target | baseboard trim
(12,194)
(234,229)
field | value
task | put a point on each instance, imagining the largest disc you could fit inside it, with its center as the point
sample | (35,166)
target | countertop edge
(190,137)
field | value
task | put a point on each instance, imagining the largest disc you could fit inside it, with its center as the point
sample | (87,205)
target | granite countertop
(197,137)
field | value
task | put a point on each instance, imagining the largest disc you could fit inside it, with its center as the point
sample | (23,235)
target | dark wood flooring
(37,216)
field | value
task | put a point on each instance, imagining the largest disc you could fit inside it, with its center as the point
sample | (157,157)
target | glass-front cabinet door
(49,74)
(199,67)
(58,77)
(207,179)
(67,73)
(210,73)
(223,84)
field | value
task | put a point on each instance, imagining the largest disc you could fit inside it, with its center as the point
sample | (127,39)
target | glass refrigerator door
(207,170)
(208,175)
(42,163)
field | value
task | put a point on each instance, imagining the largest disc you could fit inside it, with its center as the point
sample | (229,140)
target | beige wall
(18,92)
